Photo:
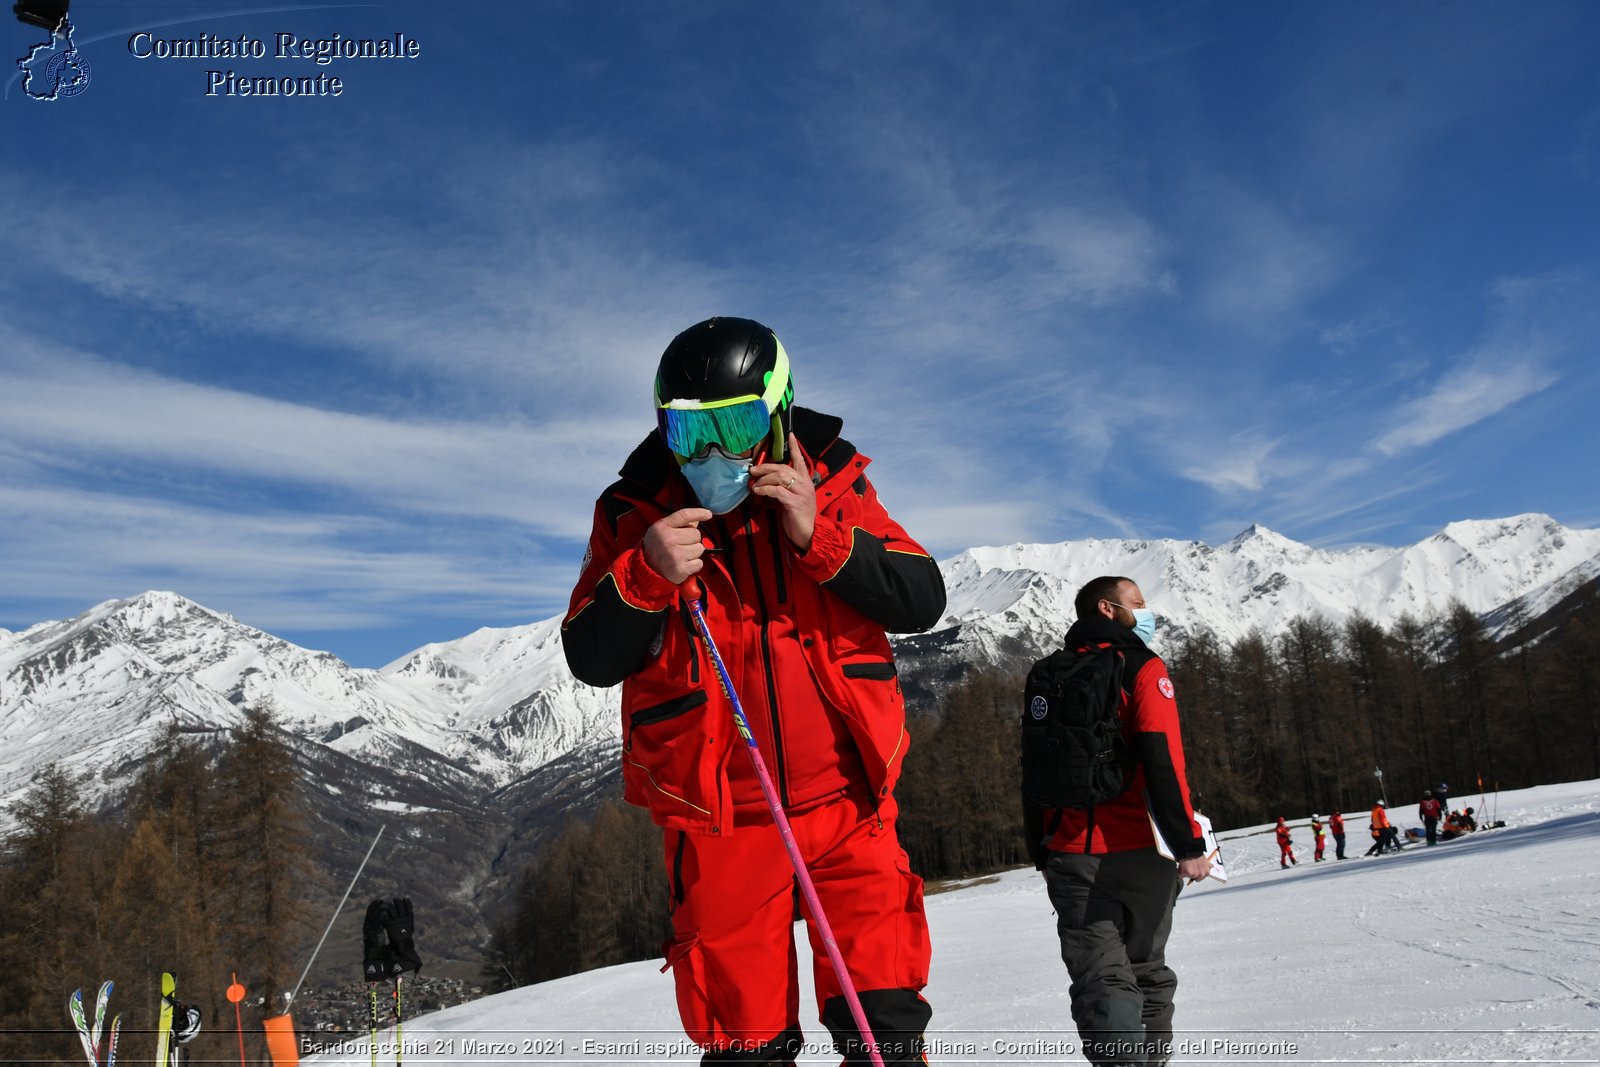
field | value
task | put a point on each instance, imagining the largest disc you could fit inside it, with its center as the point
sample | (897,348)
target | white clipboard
(1213,850)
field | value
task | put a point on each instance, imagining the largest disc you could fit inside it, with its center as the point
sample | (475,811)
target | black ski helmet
(724,381)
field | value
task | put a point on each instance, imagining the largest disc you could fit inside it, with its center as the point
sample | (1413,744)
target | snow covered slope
(1479,950)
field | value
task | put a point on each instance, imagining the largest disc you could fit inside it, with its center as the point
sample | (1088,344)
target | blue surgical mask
(1144,623)
(720,482)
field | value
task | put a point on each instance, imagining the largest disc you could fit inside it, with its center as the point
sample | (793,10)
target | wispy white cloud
(1254,265)
(357,570)
(1100,256)
(531,286)
(1534,325)
(76,409)
(1237,464)
(1462,397)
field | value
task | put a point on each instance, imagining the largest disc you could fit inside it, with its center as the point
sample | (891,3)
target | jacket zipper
(766,666)
(777,563)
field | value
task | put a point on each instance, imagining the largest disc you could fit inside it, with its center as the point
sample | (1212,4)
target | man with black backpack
(1102,765)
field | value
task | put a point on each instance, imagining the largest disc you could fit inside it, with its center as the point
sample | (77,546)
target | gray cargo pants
(1113,914)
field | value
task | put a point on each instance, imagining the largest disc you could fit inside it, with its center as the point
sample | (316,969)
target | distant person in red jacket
(764,514)
(1336,828)
(1285,846)
(1430,809)
(1319,837)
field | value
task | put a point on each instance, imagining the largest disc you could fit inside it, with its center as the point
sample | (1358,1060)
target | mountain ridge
(484,744)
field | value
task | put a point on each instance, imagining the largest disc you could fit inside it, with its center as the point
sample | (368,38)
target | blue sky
(354,368)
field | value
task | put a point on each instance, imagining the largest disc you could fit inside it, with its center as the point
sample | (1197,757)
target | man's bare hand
(1195,870)
(790,485)
(672,546)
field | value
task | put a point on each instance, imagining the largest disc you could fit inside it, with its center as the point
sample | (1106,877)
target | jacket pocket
(915,949)
(667,709)
(878,670)
(664,754)
(688,964)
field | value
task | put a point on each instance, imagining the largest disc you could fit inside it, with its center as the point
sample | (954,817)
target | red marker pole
(236,994)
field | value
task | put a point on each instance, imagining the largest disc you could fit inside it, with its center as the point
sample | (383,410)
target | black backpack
(1073,754)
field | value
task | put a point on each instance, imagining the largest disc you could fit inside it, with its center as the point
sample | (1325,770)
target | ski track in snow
(1484,950)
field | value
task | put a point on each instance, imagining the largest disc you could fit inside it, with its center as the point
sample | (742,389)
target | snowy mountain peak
(1529,529)
(1257,534)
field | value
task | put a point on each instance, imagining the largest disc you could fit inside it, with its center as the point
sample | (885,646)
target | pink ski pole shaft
(807,889)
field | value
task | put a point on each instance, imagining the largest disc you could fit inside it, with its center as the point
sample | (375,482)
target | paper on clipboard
(1213,850)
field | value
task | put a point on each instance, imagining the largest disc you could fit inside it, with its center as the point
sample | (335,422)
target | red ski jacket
(1336,823)
(1157,788)
(1430,809)
(804,638)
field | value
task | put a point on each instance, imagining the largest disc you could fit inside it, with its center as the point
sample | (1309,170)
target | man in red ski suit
(1285,846)
(1112,890)
(1336,828)
(1430,809)
(761,510)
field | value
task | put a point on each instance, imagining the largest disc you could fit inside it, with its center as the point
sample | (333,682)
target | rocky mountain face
(1009,604)
(470,750)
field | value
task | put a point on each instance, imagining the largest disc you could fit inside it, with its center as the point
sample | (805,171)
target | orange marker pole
(236,994)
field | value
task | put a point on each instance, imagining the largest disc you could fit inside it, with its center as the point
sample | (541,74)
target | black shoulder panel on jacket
(614,505)
(649,465)
(609,639)
(819,436)
(900,591)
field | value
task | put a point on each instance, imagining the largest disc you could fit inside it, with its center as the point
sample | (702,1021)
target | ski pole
(288,1003)
(807,889)
(399,1021)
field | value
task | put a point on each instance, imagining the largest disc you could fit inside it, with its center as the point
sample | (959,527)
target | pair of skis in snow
(187,1022)
(90,1035)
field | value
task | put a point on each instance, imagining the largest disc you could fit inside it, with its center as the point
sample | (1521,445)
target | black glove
(399,923)
(377,957)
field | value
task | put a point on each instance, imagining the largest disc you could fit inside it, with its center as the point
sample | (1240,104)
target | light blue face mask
(1144,623)
(720,482)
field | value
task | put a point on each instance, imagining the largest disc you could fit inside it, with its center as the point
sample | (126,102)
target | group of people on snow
(1385,836)
(1455,823)
(740,583)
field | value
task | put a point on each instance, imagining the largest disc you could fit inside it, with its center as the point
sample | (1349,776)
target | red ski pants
(734,901)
